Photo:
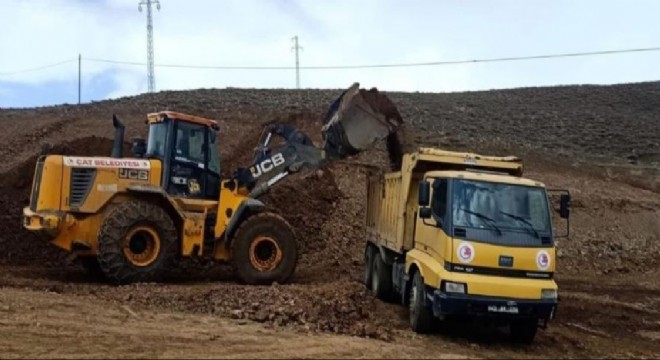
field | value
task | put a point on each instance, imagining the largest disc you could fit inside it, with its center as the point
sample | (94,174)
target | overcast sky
(332,32)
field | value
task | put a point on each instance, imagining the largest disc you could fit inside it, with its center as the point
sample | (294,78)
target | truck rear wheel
(420,314)
(368,265)
(381,283)
(523,331)
(264,250)
(137,241)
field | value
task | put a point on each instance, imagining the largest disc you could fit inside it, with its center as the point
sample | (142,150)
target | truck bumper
(496,307)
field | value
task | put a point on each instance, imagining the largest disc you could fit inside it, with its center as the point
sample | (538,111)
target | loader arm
(271,165)
(354,122)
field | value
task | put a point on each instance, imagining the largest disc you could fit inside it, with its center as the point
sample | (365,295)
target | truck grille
(36,184)
(81,182)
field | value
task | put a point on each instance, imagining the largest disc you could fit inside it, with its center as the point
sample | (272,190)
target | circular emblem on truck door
(465,253)
(543,260)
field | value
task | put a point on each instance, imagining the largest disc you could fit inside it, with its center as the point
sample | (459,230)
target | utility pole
(297,49)
(79,76)
(151,77)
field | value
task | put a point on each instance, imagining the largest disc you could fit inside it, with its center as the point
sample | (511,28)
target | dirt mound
(307,201)
(344,308)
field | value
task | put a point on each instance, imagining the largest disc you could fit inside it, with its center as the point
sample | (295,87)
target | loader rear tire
(264,250)
(137,242)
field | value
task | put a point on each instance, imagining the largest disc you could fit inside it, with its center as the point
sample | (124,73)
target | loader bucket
(357,120)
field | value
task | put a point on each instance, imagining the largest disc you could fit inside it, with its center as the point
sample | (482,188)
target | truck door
(432,235)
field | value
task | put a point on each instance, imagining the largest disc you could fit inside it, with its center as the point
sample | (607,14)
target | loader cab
(187,147)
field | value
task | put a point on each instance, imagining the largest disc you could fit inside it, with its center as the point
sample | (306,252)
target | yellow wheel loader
(127,218)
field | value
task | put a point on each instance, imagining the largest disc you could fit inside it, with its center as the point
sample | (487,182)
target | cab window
(214,160)
(439,202)
(157,137)
(190,143)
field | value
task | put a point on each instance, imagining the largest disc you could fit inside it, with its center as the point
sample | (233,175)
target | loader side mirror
(425,212)
(424,197)
(139,147)
(565,206)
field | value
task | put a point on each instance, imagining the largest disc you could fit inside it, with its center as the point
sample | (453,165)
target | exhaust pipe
(118,144)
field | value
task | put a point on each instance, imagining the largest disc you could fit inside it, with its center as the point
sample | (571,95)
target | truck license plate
(503,309)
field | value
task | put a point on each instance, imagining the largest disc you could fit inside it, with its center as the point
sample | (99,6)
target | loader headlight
(454,287)
(549,294)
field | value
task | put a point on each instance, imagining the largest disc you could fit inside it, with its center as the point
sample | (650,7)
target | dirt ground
(602,143)
(48,326)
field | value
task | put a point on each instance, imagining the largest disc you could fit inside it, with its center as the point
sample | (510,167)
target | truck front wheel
(264,250)
(523,331)
(420,313)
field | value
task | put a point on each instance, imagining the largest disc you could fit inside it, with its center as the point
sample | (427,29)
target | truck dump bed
(392,197)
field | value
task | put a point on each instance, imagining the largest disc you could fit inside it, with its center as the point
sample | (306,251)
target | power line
(392,65)
(202,67)
(37,68)
(434,63)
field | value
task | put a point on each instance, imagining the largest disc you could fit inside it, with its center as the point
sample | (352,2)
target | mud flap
(357,120)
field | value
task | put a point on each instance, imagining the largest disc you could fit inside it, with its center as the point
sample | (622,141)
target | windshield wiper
(489,220)
(524,221)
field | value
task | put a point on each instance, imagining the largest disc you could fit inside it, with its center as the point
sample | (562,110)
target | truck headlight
(453,287)
(549,294)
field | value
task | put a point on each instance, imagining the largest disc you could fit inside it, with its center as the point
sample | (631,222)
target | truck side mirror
(425,212)
(564,206)
(424,198)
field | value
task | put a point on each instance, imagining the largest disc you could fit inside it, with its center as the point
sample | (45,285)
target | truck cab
(463,235)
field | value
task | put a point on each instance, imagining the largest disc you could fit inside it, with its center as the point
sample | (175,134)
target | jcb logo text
(134,174)
(267,165)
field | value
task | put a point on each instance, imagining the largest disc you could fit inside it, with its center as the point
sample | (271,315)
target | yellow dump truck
(463,235)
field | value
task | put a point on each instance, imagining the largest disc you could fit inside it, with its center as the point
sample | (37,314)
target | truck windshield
(156,141)
(477,204)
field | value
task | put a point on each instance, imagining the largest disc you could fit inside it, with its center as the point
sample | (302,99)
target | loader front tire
(137,242)
(264,250)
